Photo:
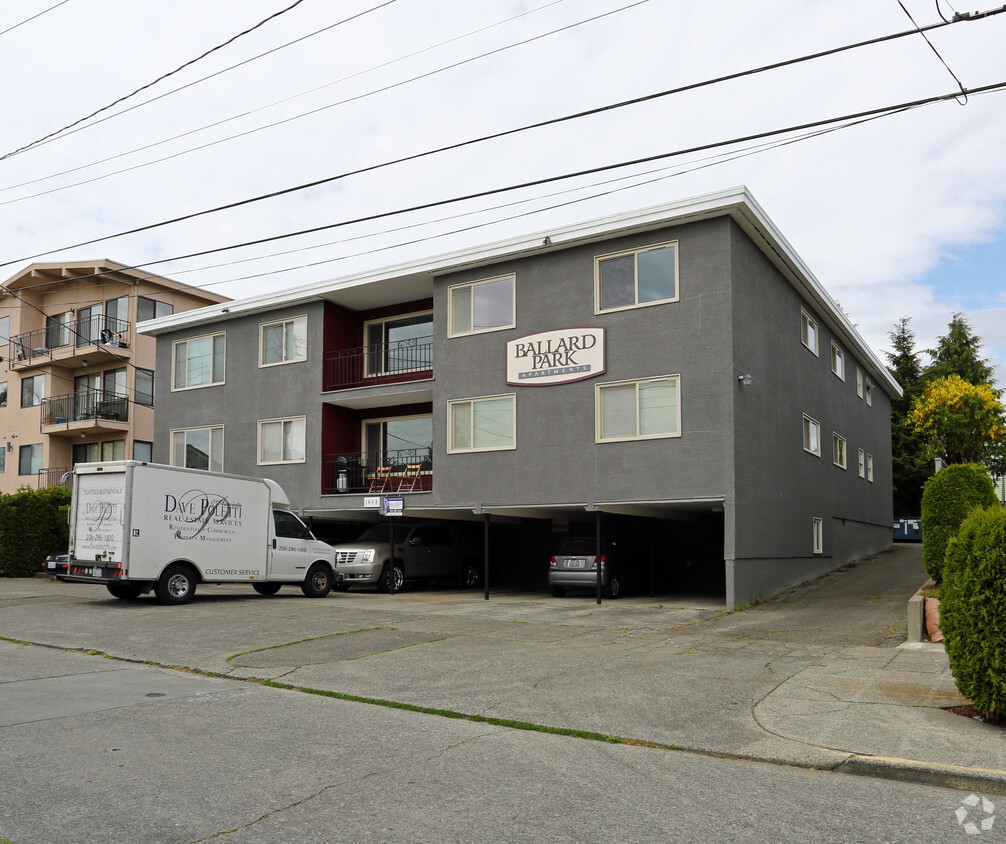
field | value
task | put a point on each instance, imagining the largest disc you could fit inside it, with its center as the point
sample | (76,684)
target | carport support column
(597,551)
(485,553)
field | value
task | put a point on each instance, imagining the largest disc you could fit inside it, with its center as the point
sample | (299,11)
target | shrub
(947,498)
(973,609)
(32,526)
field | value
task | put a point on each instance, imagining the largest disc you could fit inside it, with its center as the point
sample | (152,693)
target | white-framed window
(839,451)
(283,341)
(479,306)
(869,468)
(29,459)
(859,382)
(869,392)
(399,344)
(862,463)
(32,390)
(281,440)
(811,435)
(638,410)
(488,423)
(198,361)
(198,448)
(639,277)
(818,539)
(808,331)
(837,361)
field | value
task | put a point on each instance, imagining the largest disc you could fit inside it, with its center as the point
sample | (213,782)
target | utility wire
(937,52)
(160,78)
(33,17)
(883,111)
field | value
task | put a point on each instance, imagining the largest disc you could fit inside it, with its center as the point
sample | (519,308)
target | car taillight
(552,563)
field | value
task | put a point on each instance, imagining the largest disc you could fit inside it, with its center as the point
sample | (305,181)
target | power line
(160,78)
(488,192)
(33,17)
(933,48)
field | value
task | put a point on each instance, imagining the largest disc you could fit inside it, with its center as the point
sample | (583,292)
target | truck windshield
(376,533)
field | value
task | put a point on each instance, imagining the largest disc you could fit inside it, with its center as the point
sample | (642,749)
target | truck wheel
(266,588)
(318,582)
(469,577)
(392,578)
(126,591)
(176,586)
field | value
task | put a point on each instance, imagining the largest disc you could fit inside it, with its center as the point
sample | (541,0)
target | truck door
(290,551)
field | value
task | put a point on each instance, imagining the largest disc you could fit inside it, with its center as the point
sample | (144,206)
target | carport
(683,539)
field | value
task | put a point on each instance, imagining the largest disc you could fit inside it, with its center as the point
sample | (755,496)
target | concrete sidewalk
(813,679)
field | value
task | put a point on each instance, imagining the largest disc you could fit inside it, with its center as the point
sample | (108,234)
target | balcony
(397,362)
(68,344)
(392,472)
(56,476)
(86,410)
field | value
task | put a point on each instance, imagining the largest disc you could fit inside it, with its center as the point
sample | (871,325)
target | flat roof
(414,280)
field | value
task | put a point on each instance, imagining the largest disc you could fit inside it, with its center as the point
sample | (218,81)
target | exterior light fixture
(745,379)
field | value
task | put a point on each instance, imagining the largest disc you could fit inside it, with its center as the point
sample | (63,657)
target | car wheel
(557,591)
(176,586)
(266,588)
(469,576)
(392,579)
(125,591)
(614,588)
(318,582)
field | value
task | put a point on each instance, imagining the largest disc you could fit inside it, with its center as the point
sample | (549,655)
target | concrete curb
(985,780)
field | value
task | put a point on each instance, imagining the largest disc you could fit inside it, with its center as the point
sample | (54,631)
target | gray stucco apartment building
(677,370)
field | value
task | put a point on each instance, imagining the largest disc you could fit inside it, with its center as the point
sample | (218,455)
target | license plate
(50,565)
(576,564)
(96,572)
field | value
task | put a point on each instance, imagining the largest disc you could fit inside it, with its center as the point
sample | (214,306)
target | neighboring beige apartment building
(77,381)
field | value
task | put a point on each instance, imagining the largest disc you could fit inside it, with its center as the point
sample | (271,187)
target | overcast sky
(904,215)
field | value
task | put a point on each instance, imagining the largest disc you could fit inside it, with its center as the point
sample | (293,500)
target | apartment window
(637,278)
(199,362)
(3,394)
(284,341)
(402,344)
(114,381)
(113,450)
(811,435)
(399,441)
(869,468)
(117,311)
(29,459)
(281,441)
(86,453)
(90,321)
(808,331)
(862,463)
(198,448)
(838,361)
(818,535)
(57,330)
(859,382)
(32,390)
(3,459)
(4,330)
(482,424)
(151,309)
(487,305)
(143,450)
(869,392)
(839,451)
(143,393)
(635,410)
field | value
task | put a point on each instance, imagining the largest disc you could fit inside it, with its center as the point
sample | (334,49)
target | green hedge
(947,498)
(973,609)
(32,526)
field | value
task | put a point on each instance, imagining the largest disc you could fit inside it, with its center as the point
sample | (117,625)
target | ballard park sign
(555,357)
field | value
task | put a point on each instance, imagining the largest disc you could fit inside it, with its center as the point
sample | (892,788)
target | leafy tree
(959,421)
(957,353)
(911,462)
(950,495)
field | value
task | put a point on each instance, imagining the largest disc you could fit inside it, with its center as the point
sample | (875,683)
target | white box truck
(137,527)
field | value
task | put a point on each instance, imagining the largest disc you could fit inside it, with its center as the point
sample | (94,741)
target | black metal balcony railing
(402,470)
(55,476)
(85,405)
(87,331)
(381,363)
